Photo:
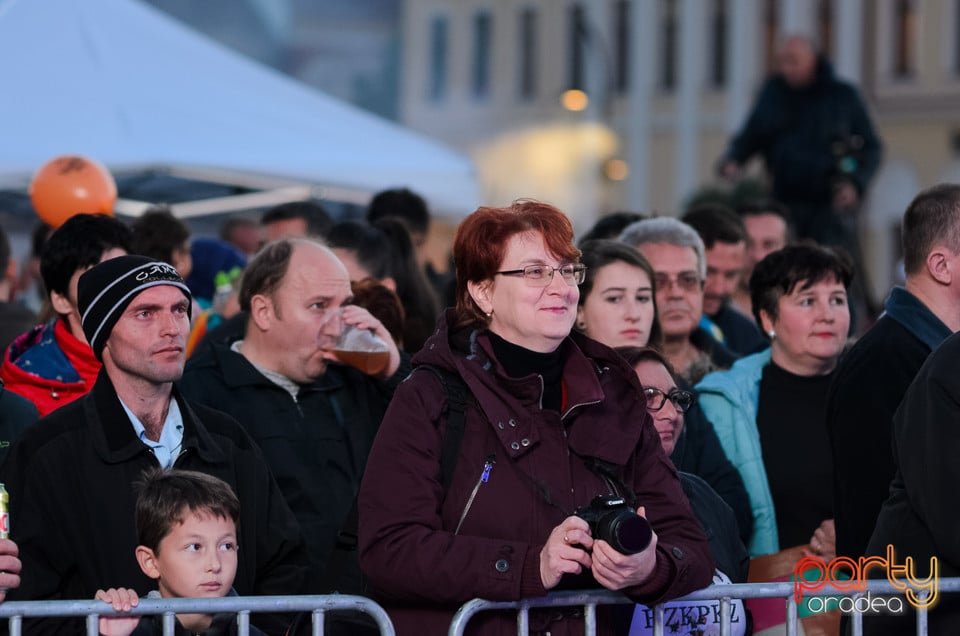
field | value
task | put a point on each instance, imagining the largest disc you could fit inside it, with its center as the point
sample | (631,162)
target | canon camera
(610,518)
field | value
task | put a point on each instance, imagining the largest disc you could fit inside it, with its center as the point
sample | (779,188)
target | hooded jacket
(72,501)
(521,470)
(49,366)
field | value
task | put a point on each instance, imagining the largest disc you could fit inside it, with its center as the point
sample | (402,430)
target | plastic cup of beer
(362,349)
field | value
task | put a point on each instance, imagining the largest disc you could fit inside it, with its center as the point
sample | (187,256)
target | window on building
(528,53)
(437,89)
(904,38)
(718,44)
(668,56)
(956,38)
(825,27)
(621,44)
(771,28)
(577,47)
(482,34)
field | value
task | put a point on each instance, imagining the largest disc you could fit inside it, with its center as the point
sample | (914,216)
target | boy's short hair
(166,497)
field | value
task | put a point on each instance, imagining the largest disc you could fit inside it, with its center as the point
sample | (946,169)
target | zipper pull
(487,467)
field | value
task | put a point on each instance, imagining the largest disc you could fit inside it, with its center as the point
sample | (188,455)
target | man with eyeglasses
(677,255)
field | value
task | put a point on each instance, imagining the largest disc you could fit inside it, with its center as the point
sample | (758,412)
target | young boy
(187,531)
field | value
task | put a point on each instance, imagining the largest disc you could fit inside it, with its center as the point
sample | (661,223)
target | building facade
(662,86)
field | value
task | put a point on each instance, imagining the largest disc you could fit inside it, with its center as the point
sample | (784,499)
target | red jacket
(422,570)
(49,367)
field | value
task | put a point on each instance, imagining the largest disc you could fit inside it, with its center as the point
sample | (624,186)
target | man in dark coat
(819,147)
(919,519)
(71,476)
(816,139)
(873,376)
(315,419)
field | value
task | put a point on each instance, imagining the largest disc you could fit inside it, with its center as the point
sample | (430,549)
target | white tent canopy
(118,81)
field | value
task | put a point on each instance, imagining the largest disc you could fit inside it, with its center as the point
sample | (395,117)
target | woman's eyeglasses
(682,400)
(542,275)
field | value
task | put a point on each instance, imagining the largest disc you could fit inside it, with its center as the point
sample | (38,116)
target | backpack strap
(456,391)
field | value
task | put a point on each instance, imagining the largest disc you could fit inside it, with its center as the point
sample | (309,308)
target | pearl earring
(772,334)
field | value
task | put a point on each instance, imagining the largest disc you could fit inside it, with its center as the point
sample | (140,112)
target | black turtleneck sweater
(791,418)
(520,362)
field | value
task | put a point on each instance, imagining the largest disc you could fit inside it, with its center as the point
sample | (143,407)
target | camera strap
(609,472)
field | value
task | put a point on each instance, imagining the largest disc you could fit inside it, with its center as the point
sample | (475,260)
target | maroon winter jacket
(422,570)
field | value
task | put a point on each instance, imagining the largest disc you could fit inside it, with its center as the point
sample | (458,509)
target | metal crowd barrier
(726,594)
(243,606)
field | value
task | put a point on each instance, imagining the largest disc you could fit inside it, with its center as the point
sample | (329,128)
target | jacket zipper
(484,477)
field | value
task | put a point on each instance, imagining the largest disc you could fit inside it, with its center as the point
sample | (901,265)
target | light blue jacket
(729,399)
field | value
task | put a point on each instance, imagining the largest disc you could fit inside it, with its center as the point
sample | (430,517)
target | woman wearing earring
(618,308)
(769,408)
(552,420)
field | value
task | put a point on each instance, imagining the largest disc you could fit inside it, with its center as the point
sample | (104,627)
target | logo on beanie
(159,271)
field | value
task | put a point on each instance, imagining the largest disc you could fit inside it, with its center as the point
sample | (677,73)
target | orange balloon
(71,184)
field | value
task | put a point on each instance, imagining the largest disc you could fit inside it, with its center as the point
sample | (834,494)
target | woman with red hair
(552,421)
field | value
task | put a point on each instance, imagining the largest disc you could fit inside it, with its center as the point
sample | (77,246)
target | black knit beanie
(105,290)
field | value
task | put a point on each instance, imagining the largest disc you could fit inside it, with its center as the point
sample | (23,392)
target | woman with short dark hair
(769,409)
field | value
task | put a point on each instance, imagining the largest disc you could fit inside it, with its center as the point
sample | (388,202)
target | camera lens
(625,530)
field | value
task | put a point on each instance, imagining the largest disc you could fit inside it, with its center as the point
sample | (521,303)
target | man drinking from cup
(313,418)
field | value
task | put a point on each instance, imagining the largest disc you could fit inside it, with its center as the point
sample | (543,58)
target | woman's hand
(121,599)
(566,551)
(823,543)
(616,571)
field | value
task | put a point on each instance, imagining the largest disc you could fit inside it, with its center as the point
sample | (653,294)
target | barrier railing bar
(856,620)
(590,618)
(91,610)
(169,623)
(922,617)
(658,620)
(523,621)
(316,629)
(724,593)
(791,617)
(726,610)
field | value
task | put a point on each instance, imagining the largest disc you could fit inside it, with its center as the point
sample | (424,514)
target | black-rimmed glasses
(682,400)
(542,275)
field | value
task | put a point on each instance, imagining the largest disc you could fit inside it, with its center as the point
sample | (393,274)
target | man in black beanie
(71,476)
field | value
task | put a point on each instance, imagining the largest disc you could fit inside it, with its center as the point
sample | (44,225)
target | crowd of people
(656,407)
